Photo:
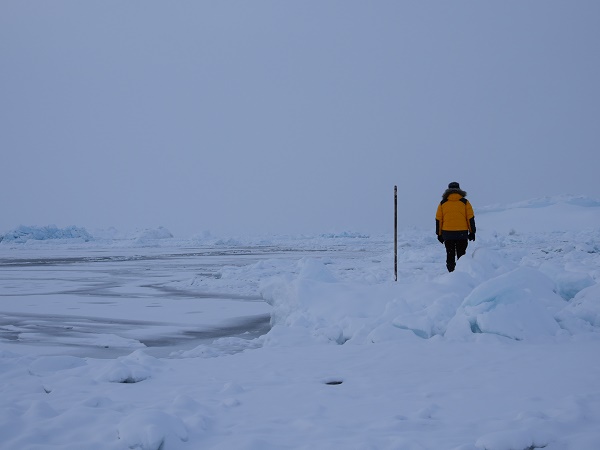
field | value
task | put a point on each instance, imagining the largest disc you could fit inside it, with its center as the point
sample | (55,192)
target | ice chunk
(583,312)
(23,234)
(569,284)
(520,304)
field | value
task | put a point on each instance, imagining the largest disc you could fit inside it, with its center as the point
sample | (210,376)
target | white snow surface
(139,342)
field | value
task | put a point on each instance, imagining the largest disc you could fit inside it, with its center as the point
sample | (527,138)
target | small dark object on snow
(334,382)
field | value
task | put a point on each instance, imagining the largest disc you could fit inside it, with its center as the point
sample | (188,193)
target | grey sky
(291,116)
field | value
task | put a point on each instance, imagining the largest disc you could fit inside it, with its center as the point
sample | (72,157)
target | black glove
(471,236)
(440,238)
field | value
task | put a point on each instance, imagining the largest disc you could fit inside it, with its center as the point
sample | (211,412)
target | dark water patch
(64,331)
(251,327)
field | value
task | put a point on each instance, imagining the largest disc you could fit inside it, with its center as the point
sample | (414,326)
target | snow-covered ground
(146,341)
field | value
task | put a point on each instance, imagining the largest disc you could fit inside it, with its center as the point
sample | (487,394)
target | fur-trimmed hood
(453,191)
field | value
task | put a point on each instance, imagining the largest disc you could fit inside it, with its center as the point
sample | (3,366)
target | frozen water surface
(105,302)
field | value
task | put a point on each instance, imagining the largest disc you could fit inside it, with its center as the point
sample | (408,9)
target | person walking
(454,223)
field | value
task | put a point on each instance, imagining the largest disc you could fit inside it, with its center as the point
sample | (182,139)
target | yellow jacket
(454,217)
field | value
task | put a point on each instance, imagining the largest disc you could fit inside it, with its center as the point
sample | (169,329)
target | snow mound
(485,295)
(151,430)
(583,312)
(51,364)
(543,202)
(520,304)
(314,305)
(23,234)
(133,368)
(561,213)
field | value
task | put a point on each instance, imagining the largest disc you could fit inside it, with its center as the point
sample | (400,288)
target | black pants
(455,248)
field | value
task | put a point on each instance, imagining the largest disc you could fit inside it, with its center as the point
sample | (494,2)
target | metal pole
(395,233)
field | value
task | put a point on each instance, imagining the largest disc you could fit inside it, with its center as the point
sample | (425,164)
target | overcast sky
(291,116)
